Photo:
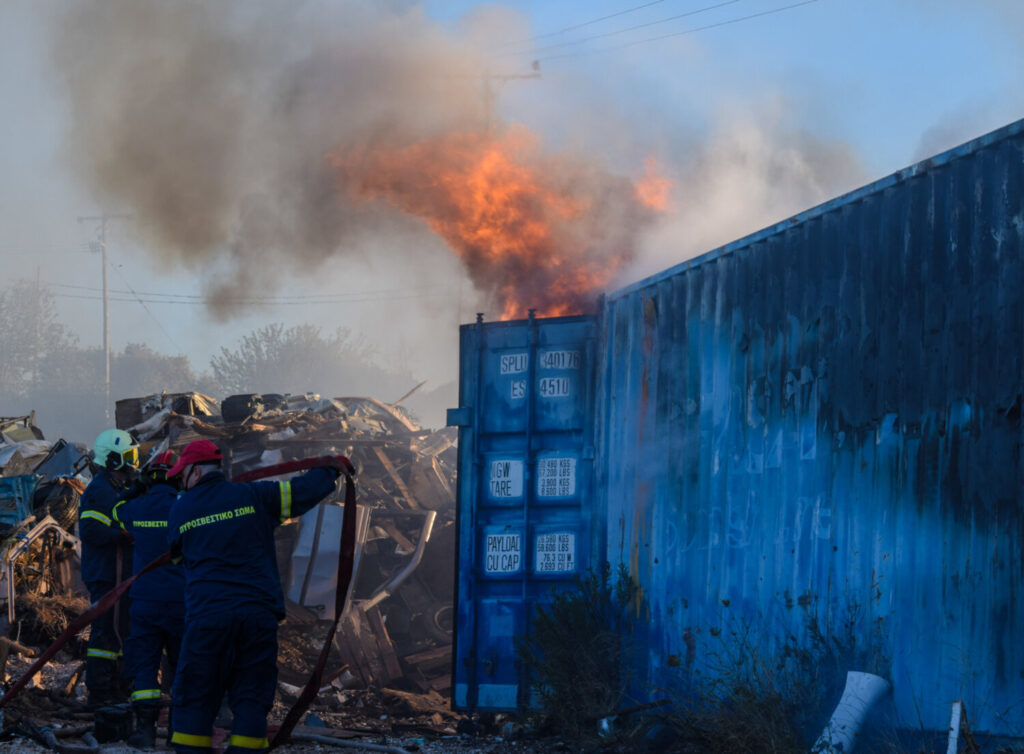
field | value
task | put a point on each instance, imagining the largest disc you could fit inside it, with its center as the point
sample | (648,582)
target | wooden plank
(396,415)
(441,478)
(348,646)
(428,703)
(396,535)
(387,649)
(73,680)
(441,682)
(370,653)
(437,653)
(341,733)
(386,463)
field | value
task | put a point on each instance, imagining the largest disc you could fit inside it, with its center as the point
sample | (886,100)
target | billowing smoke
(248,139)
(756,167)
(245,140)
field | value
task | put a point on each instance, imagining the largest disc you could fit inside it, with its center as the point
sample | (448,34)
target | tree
(273,359)
(43,369)
(30,334)
(139,370)
(69,395)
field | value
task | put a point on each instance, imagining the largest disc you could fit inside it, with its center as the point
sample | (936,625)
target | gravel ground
(386,720)
(427,746)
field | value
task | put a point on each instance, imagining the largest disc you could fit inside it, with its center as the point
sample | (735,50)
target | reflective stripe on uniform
(102,654)
(248,742)
(187,739)
(113,513)
(286,500)
(146,694)
(97,515)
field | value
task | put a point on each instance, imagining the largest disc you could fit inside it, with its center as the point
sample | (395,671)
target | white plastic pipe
(861,692)
(954,728)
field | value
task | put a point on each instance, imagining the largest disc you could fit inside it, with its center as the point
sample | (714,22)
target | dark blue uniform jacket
(145,518)
(100,534)
(224,532)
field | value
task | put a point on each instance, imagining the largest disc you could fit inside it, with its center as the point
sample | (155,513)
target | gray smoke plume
(211,121)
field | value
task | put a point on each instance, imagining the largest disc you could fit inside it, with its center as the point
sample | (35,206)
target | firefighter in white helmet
(106,560)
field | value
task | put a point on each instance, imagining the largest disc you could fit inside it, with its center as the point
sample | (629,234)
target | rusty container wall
(816,430)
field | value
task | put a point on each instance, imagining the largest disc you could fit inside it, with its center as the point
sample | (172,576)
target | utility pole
(103,220)
(502,78)
(35,351)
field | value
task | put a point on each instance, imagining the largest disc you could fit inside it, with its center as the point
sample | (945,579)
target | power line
(638,26)
(325,298)
(257,302)
(150,313)
(588,23)
(694,30)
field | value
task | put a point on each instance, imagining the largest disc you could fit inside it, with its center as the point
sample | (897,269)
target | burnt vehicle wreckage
(388,667)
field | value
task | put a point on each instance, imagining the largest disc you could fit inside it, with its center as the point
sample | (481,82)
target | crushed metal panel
(16,498)
(821,424)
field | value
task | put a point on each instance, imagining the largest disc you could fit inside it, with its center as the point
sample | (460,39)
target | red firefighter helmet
(163,461)
(197,451)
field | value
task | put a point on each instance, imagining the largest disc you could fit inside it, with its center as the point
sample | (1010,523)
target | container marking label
(518,389)
(556,476)
(503,553)
(555,553)
(515,363)
(506,478)
(555,387)
(560,360)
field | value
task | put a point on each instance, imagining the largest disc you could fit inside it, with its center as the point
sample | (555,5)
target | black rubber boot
(144,736)
(100,682)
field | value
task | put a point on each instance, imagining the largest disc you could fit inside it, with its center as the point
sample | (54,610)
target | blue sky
(752,120)
(883,74)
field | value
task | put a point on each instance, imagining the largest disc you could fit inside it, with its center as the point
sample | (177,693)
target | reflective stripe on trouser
(189,742)
(103,654)
(234,652)
(249,743)
(156,626)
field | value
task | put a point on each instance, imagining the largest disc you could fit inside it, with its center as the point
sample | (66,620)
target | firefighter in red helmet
(224,531)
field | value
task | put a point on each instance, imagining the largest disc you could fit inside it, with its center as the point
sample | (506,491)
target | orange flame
(654,190)
(538,232)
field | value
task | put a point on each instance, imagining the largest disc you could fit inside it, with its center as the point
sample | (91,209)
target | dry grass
(44,618)
(741,698)
(575,654)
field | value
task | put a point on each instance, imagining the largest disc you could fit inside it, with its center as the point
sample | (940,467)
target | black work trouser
(234,652)
(103,660)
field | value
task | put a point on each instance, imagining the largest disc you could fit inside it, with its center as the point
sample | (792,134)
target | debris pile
(392,653)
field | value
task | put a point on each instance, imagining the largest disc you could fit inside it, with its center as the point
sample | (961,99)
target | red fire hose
(345,564)
(103,604)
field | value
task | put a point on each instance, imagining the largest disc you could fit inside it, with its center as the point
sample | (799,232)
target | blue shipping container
(815,430)
(818,428)
(525,465)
